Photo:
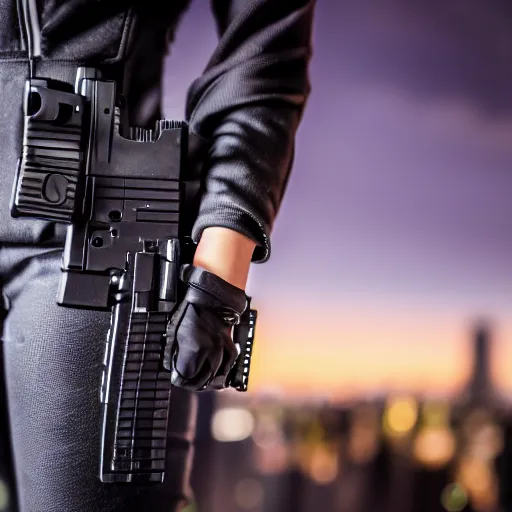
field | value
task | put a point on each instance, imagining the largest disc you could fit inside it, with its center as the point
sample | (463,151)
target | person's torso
(86,31)
(127,39)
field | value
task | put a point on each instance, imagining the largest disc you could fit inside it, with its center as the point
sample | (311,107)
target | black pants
(50,411)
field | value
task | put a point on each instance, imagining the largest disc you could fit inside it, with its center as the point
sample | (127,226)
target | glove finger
(193,343)
(199,339)
(229,359)
(179,381)
(202,377)
(189,360)
(171,345)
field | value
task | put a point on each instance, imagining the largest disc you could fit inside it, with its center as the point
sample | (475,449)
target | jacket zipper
(29,22)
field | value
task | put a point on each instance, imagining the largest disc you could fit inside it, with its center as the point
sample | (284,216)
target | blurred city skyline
(395,233)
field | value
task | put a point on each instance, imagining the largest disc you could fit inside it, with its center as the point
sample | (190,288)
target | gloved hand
(200,351)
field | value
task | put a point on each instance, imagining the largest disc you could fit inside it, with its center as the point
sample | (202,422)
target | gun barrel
(169,272)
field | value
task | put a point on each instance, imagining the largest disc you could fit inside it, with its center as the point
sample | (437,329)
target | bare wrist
(226,253)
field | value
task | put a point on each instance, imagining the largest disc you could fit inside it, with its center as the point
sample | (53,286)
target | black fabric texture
(99,32)
(82,30)
(7,482)
(248,103)
(53,358)
(10,35)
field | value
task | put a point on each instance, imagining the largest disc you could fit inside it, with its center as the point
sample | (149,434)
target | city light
(272,458)
(435,443)
(267,430)
(479,479)
(323,466)
(400,416)
(454,498)
(436,413)
(487,442)
(191,507)
(232,424)
(364,436)
(4,495)
(434,447)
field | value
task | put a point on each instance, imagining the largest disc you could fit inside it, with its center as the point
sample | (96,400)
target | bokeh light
(363,442)
(4,496)
(454,498)
(434,447)
(232,424)
(323,467)
(478,478)
(400,416)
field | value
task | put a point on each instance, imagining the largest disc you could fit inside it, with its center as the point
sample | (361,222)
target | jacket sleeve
(248,104)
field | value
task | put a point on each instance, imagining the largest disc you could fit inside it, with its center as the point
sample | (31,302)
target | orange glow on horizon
(359,353)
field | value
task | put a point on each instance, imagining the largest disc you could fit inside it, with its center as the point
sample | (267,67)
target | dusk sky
(396,230)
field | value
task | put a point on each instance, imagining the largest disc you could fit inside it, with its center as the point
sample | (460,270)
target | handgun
(122,192)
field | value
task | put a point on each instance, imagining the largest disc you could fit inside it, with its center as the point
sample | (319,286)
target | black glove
(200,351)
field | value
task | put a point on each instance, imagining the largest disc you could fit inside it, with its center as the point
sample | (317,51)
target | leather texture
(200,350)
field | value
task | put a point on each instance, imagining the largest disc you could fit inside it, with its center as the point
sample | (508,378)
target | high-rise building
(480,390)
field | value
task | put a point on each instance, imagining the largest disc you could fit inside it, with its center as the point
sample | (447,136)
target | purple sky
(401,195)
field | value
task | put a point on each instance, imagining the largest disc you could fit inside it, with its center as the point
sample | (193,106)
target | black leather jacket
(247,104)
